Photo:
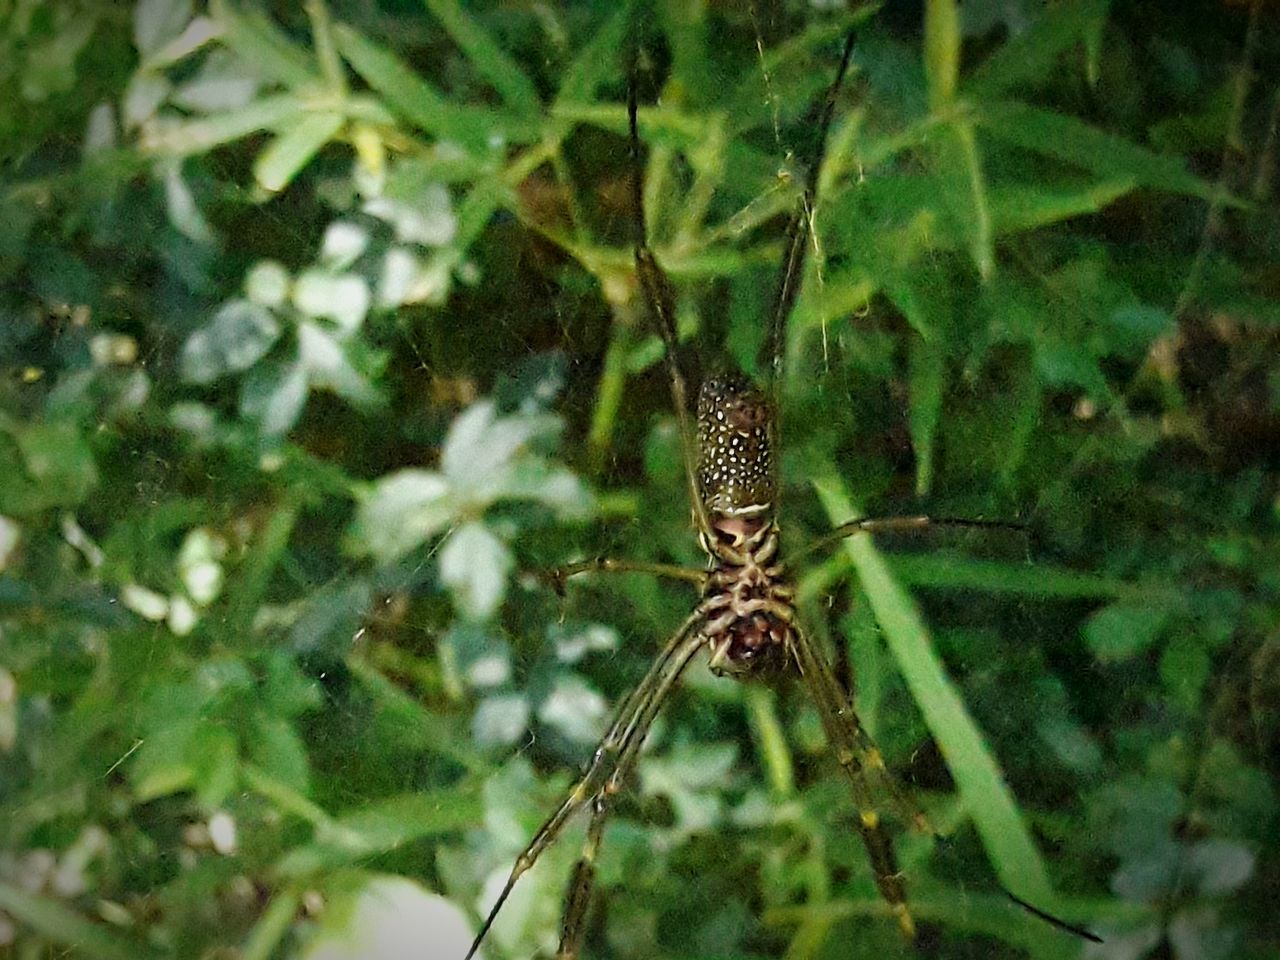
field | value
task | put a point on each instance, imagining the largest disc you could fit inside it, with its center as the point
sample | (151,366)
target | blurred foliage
(320,338)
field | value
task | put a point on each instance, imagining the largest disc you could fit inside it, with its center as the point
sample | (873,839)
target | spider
(746,618)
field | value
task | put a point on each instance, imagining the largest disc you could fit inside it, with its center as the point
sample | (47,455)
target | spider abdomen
(736,474)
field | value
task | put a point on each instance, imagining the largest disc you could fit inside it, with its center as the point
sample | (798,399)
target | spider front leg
(861,762)
(609,764)
(559,576)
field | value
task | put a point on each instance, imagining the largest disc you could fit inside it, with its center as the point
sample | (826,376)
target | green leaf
(596,62)
(273,394)
(420,103)
(215,129)
(1017,208)
(238,336)
(278,750)
(400,512)
(156,22)
(325,359)
(286,688)
(50,67)
(389,823)
(44,465)
(927,367)
(382,826)
(161,765)
(1125,629)
(474,564)
(330,617)
(264,46)
(407,726)
(965,193)
(298,142)
(1072,141)
(1033,54)
(923,298)
(214,756)
(490,61)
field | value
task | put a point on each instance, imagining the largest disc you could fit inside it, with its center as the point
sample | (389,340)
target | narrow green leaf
(1017,208)
(258,41)
(57,922)
(1072,141)
(922,296)
(967,198)
(1031,55)
(272,926)
(278,750)
(279,163)
(322,38)
(927,366)
(771,741)
(215,129)
(250,583)
(597,61)
(490,60)
(413,726)
(418,101)
(941,51)
(386,825)
(289,801)
(977,774)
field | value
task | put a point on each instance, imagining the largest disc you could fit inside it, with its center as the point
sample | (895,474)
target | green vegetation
(320,339)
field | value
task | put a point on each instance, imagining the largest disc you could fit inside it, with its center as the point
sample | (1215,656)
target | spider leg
(791,273)
(660,299)
(558,576)
(612,756)
(900,524)
(861,763)
(573,926)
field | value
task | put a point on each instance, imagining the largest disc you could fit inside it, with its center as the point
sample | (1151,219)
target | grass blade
(285,157)
(490,60)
